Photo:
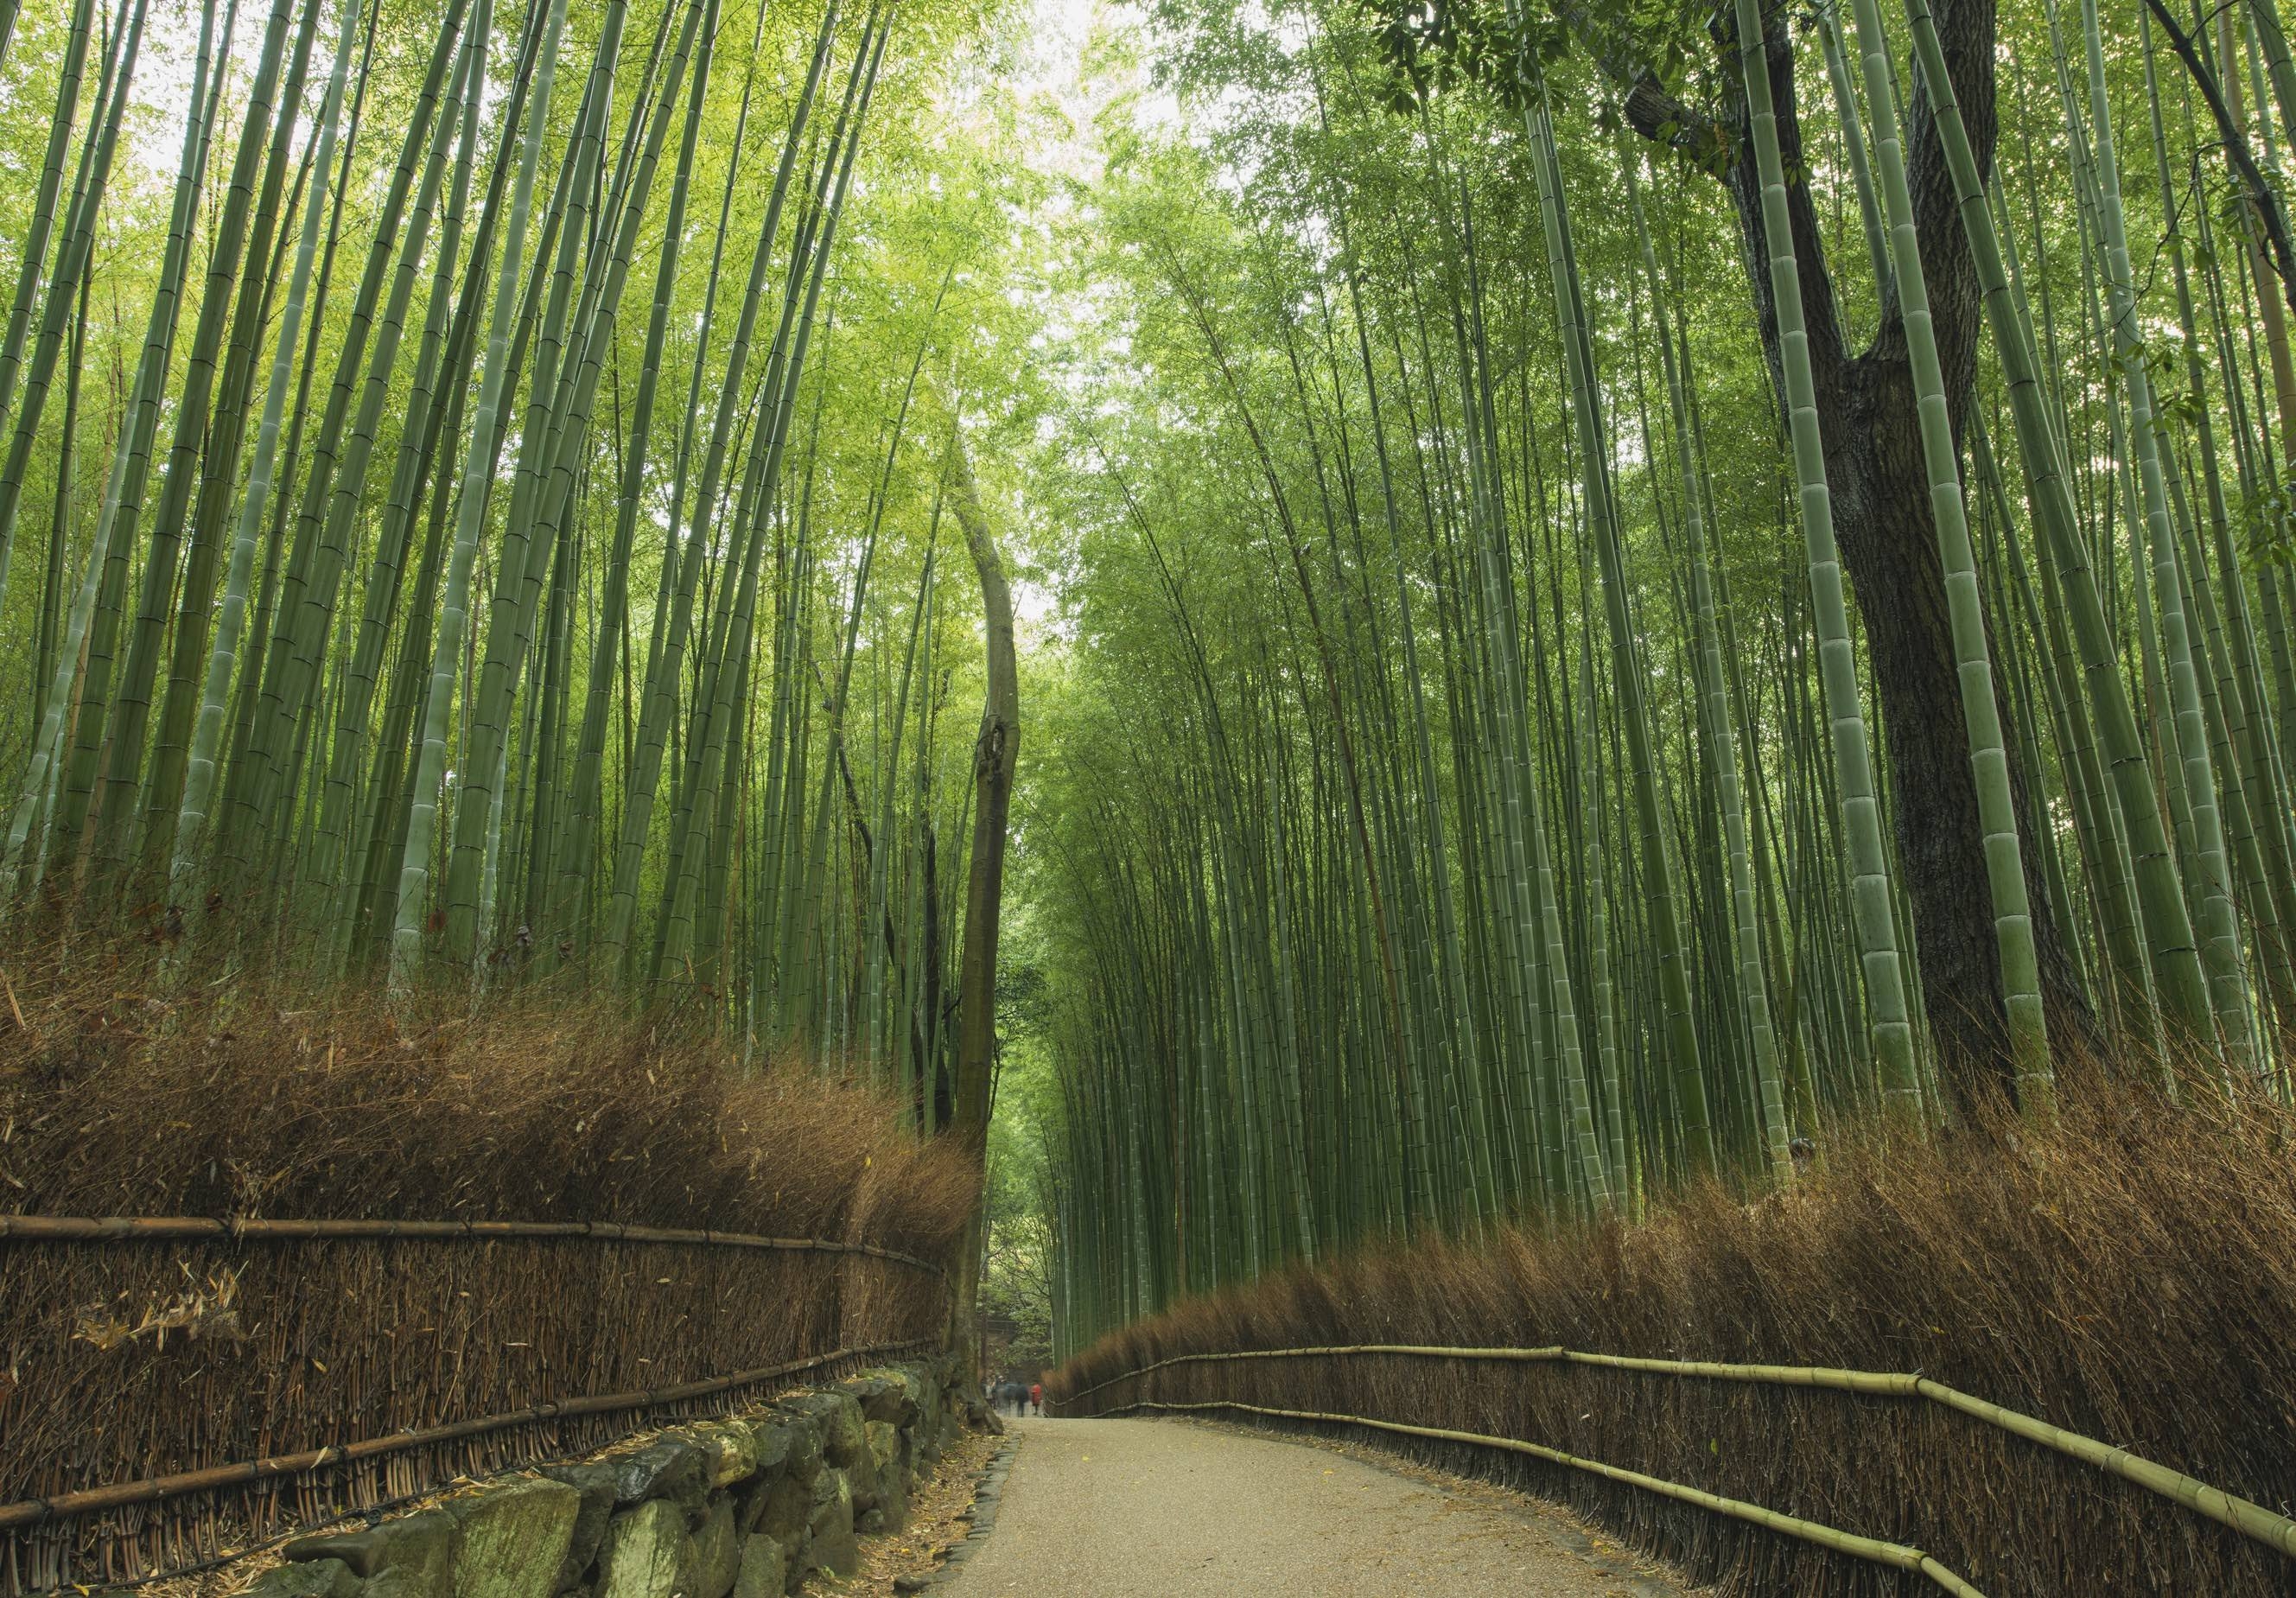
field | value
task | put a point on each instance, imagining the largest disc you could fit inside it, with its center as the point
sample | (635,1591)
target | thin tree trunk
(995,755)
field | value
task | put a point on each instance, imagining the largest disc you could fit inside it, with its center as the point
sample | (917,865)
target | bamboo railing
(2249,1519)
(91,1229)
(1870,1549)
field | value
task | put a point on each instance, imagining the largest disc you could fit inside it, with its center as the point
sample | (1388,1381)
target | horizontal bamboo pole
(103,1229)
(33,1512)
(1856,1381)
(2251,1520)
(1872,1549)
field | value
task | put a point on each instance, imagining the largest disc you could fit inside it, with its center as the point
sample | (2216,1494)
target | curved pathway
(1179,1509)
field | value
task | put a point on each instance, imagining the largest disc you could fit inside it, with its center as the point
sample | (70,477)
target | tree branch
(2260,196)
(1718,148)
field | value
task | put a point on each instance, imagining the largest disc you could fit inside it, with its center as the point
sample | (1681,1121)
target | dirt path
(1176,1509)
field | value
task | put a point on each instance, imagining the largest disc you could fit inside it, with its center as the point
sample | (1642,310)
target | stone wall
(748,1506)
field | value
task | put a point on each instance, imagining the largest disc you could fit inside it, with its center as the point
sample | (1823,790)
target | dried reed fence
(160,1357)
(306,1260)
(2130,1277)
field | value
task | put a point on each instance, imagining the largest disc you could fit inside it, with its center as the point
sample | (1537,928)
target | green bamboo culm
(1714,721)
(406,947)
(2167,961)
(2193,781)
(131,452)
(1989,755)
(1873,912)
(659,698)
(207,739)
(71,75)
(1673,957)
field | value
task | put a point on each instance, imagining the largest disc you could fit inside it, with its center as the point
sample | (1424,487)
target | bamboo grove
(479,522)
(1600,597)
(1645,589)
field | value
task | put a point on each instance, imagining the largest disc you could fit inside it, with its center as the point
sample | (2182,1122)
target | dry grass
(146,1358)
(2131,1275)
(259,1101)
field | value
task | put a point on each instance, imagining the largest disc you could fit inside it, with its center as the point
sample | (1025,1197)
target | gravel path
(1177,1509)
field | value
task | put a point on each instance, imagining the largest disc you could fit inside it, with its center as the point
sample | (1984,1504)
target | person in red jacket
(1036,1395)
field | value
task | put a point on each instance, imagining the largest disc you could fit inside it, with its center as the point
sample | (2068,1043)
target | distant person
(1036,1397)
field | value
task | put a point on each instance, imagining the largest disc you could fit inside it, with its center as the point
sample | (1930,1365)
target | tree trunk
(995,754)
(1889,542)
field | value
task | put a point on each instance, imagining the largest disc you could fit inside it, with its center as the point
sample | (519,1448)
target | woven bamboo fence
(1363,1386)
(2275,1530)
(180,1388)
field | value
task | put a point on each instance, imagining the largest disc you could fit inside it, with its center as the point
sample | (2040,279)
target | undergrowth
(257,1098)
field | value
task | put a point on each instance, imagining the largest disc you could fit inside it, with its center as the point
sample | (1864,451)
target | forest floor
(1177,1509)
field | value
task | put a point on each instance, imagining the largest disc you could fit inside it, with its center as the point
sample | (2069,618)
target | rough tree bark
(995,754)
(1889,542)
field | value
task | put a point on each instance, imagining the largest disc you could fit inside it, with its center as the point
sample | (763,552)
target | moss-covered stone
(888,1459)
(405,1581)
(511,1539)
(883,1396)
(747,1507)
(305,1578)
(716,1550)
(764,1570)
(787,1446)
(731,1448)
(648,1554)
(833,1546)
(421,1544)
(839,1418)
(595,1484)
(771,1436)
(785,1514)
(669,1467)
